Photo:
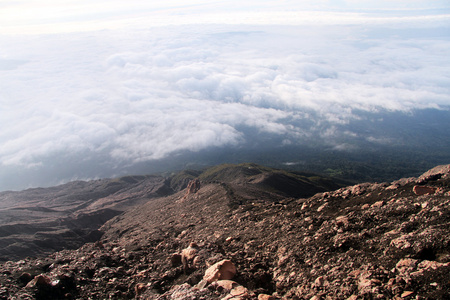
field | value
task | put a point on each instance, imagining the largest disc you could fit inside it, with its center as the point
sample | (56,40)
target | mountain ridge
(367,241)
(61,209)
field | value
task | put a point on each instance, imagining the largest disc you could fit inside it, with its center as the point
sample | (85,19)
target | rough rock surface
(367,241)
(192,188)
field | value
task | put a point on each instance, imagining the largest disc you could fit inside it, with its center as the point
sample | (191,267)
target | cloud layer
(131,96)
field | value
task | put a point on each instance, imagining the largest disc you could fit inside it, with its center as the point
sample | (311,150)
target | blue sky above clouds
(121,83)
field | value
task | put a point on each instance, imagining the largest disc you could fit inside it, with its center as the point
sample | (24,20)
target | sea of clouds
(116,97)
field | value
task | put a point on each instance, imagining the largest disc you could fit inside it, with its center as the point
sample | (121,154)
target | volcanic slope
(43,220)
(367,241)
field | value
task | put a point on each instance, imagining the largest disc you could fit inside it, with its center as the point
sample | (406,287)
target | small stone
(355,273)
(406,264)
(139,288)
(227,284)
(188,255)
(342,221)
(391,281)
(406,294)
(197,262)
(239,291)
(175,259)
(190,252)
(376,281)
(265,297)
(202,284)
(322,207)
(378,204)
(319,281)
(364,285)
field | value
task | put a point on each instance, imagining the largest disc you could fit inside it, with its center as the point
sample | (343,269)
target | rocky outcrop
(192,188)
(442,171)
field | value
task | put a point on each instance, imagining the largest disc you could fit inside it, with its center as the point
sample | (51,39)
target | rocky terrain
(246,232)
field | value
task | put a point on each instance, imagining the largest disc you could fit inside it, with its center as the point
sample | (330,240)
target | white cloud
(133,95)
(50,16)
(382,140)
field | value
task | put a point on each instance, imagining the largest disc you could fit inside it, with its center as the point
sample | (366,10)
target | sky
(111,84)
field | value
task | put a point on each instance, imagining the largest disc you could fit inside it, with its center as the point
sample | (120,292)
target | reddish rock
(319,281)
(139,288)
(188,255)
(322,207)
(406,265)
(197,262)
(221,270)
(202,284)
(378,204)
(406,294)
(424,190)
(239,291)
(359,189)
(227,284)
(342,221)
(192,188)
(266,297)
(432,265)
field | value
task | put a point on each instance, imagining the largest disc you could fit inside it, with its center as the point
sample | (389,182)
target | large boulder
(222,270)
